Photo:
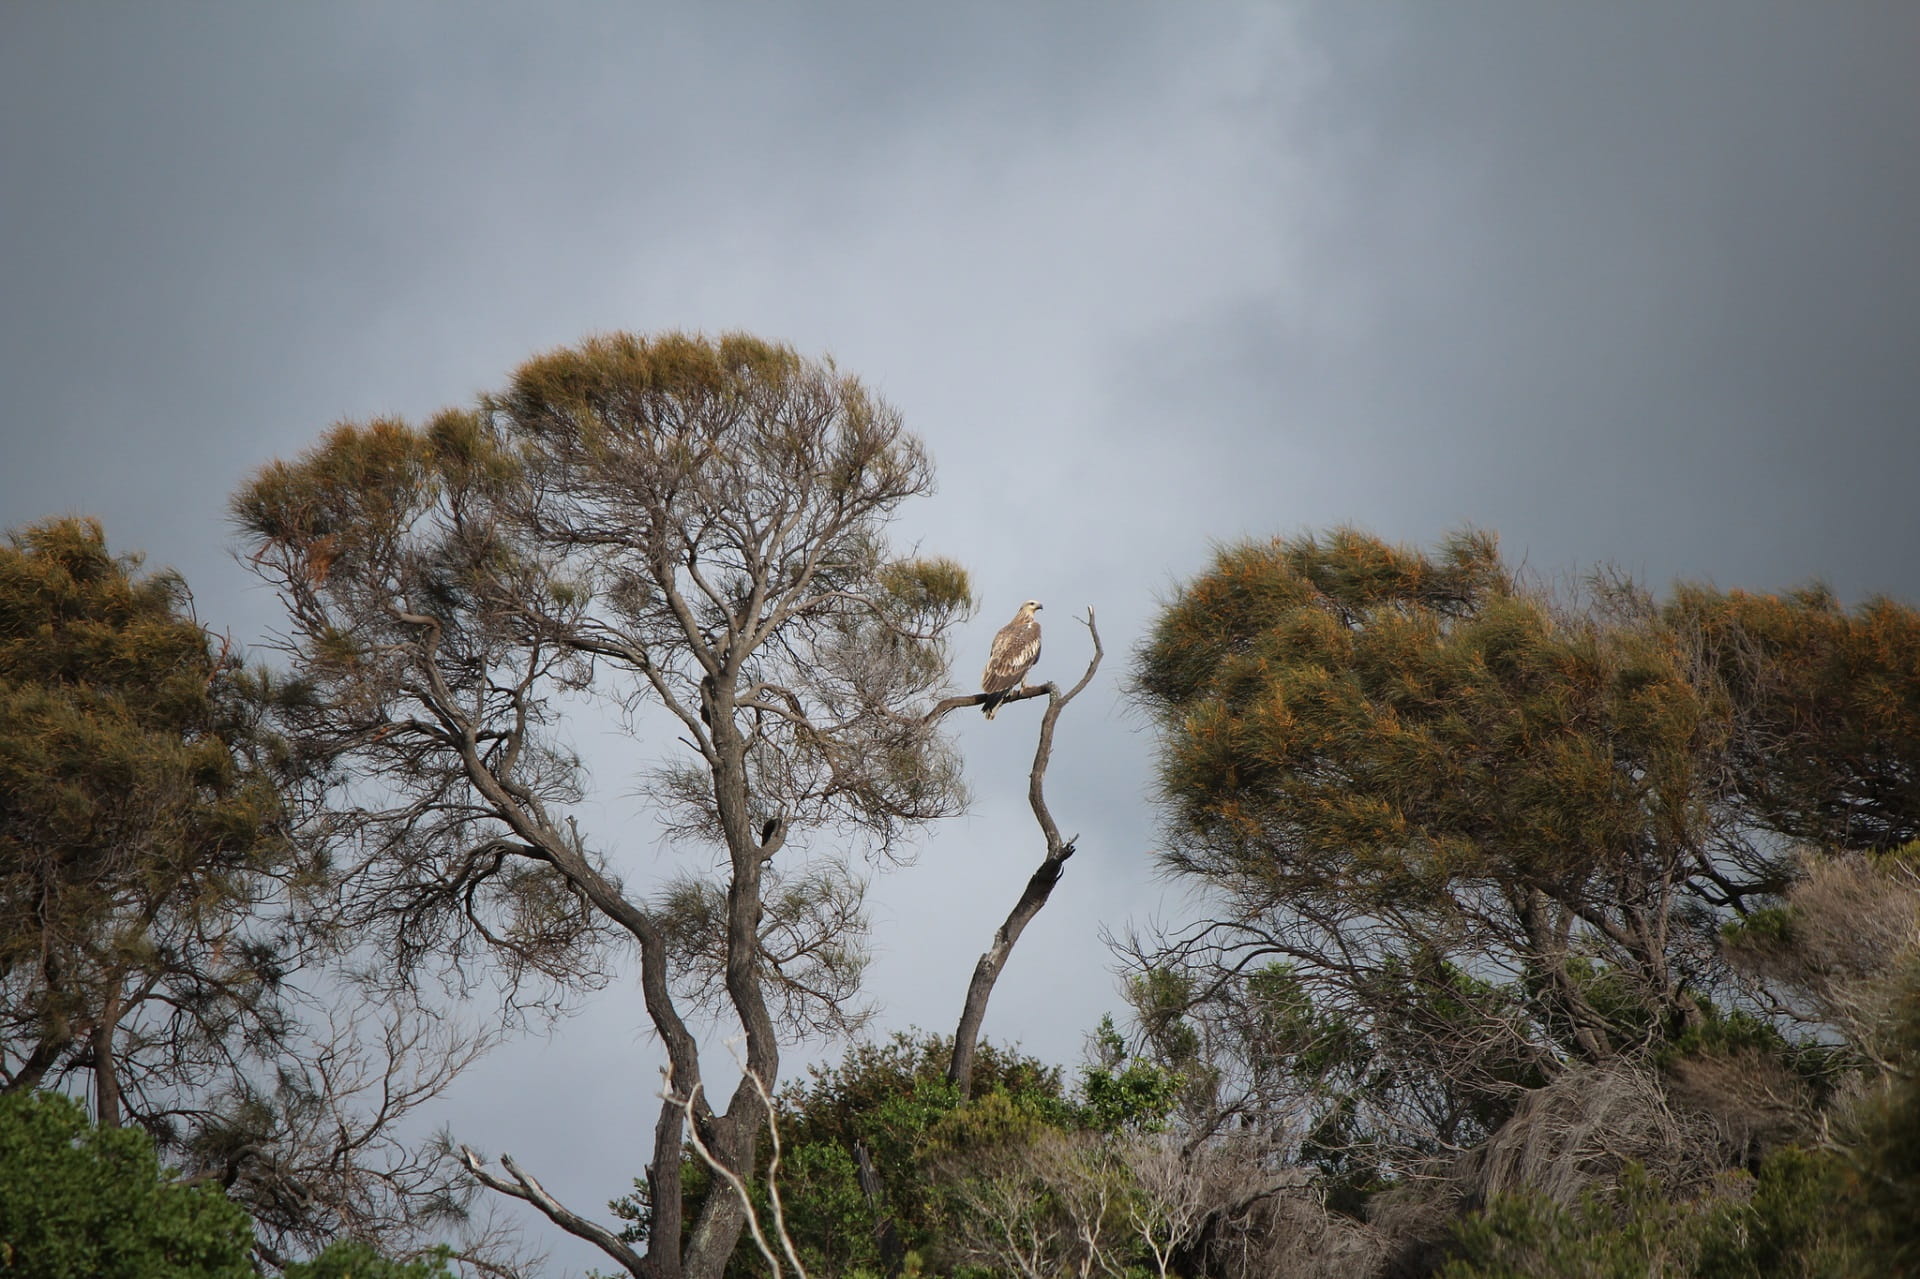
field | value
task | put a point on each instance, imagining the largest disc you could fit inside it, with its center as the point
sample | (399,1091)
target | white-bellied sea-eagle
(1015,649)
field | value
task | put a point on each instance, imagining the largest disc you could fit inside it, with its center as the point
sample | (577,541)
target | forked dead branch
(1040,885)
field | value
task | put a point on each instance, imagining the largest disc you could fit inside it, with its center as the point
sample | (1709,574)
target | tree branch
(942,708)
(526,1187)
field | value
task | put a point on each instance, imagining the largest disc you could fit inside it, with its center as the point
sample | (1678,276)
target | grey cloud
(1617,284)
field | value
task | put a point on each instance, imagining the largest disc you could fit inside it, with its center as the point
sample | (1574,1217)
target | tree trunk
(106,1073)
(716,1232)
(987,971)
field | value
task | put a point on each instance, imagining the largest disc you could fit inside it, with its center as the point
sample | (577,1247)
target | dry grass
(1582,1129)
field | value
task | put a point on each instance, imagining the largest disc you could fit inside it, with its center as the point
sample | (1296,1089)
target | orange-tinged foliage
(133,815)
(1367,693)
(1355,733)
(1829,702)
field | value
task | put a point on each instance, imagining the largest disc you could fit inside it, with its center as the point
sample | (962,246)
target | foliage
(1524,1237)
(80,1202)
(890,1104)
(140,832)
(1790,1220)
(1827,700)
(94,1203)
(1124,1093)
(158,942)
(891,1100)
(1023,1197)
(1835,948)
(1359,729)
(351,1260)
(1491,832)
(1843,945)
(1259,1058)
(1882,1137)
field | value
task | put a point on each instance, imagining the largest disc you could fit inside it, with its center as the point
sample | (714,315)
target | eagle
(1015,649)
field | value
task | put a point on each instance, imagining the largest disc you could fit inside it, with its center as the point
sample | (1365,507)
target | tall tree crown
(690,512)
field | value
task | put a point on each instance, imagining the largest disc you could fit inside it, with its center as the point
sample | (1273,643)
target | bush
(1797,1218)
(79,1202)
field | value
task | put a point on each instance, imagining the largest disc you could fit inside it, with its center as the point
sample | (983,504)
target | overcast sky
(1636,284)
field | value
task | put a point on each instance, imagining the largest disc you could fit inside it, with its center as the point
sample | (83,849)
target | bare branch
(527,1188)
(946,705)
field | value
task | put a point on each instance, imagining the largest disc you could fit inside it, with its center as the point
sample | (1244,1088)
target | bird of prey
(1015,649)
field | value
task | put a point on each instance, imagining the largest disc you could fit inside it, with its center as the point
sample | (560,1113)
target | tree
(138,830)
(1491,833)
(1463,816)
(693,530)
(152,951)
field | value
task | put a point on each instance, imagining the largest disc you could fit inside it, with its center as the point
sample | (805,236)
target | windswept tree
(694,531)
(1468,835)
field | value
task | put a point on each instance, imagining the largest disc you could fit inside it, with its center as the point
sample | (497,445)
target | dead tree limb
(1039,886)
(946,705)
(524,1186)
